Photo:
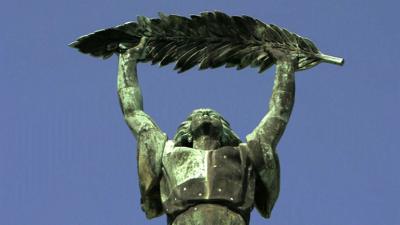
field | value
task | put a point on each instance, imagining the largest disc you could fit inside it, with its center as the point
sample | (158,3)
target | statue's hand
(135,52)
(285,56)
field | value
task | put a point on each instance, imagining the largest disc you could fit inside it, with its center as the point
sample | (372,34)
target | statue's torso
(191,176)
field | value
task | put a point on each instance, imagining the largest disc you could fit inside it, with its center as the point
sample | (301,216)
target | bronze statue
(205,174)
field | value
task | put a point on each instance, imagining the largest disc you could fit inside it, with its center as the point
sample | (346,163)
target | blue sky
(67,157)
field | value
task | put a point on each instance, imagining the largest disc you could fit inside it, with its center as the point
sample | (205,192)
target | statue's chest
(182,164)
(191,176)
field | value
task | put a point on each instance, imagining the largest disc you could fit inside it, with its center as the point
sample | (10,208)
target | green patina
(206,175)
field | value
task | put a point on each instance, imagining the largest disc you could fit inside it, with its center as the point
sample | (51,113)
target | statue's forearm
(282,99)
(128,86)
(272,126)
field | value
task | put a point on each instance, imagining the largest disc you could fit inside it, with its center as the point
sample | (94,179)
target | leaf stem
(331,59)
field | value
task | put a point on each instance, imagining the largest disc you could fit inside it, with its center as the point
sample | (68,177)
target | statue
(205,174)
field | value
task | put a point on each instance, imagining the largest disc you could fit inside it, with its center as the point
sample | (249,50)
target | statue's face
(206,122)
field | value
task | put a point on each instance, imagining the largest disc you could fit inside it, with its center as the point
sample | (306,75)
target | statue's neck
(206,143)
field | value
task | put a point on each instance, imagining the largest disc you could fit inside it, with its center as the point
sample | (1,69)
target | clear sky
(68,158)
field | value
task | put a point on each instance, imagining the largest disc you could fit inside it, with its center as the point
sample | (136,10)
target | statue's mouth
(206,126)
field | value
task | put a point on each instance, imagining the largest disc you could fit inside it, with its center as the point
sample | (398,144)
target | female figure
(206,175)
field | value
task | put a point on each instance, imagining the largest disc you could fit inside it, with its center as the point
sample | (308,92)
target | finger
(142,43)
(126,45)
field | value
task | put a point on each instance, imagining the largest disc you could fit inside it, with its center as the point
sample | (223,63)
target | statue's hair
(183,136)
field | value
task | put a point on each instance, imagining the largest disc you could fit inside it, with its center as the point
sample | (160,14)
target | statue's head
(205,122)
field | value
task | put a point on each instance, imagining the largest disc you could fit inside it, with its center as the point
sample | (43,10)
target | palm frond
(209,40)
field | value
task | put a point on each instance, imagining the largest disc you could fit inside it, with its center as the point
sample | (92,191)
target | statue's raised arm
(272,126)
(264,138)
(150,139)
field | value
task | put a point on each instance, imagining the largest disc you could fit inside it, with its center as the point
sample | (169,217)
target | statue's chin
(206,128)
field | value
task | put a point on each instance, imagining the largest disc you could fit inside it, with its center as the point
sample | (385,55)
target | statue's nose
(206,114)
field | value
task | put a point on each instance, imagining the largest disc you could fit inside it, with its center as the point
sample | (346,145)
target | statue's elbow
(282,113)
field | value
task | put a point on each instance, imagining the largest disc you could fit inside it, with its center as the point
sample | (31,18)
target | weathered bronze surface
(206,175)
(210,40)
